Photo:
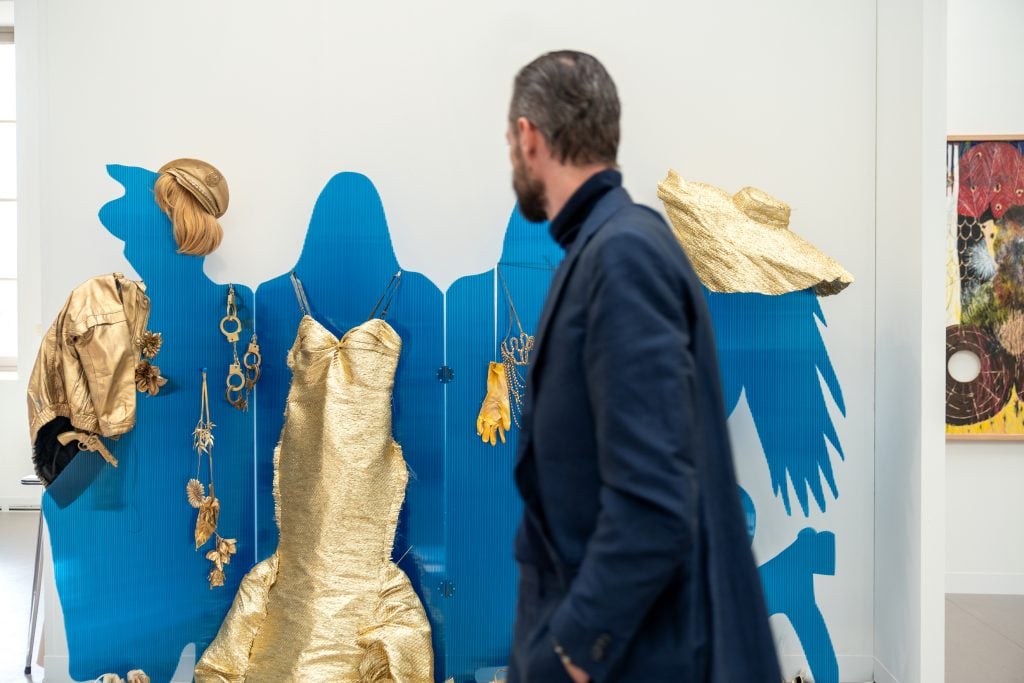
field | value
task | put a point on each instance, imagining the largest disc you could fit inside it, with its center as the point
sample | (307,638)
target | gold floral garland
(208,505)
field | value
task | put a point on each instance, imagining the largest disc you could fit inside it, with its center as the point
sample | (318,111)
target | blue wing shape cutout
(771,348)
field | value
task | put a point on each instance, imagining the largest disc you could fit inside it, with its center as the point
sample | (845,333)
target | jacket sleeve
(639,372)
(97,329)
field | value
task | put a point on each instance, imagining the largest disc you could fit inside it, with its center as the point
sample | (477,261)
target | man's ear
(530,138)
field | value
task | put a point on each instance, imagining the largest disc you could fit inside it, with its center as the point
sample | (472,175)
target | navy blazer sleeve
(639,373)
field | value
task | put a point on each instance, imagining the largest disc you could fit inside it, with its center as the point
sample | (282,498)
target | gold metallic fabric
(330,605)
(203,181)
(742,242)
(86,366)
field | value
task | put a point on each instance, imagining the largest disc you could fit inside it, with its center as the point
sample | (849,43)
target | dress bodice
(343,481)
(315,344)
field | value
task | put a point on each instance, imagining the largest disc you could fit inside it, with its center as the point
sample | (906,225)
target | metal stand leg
(36,580)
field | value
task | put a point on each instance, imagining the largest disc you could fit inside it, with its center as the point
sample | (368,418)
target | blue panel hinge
(445,374)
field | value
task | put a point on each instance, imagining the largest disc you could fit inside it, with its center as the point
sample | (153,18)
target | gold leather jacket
(86,369)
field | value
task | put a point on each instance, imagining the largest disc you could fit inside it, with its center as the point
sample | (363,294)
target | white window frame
(8,364)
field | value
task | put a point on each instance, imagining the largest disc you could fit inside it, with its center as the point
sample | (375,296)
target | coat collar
(605,208)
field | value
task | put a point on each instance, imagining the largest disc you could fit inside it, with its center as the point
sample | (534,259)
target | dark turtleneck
(566,225)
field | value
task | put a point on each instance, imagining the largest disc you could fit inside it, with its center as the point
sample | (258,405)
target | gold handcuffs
(252,367)
(239,383)
(231,317)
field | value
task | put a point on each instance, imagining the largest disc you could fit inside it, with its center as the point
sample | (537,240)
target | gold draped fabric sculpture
(330,604)
(742,242)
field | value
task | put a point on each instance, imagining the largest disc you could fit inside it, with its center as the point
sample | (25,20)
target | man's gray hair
(572,100)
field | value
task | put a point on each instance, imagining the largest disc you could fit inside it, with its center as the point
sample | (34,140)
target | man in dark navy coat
(634,557)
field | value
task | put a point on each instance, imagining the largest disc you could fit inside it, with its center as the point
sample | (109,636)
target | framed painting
(985,288)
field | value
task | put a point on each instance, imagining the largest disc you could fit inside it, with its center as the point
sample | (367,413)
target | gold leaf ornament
(202,437)
(214,556)
(149,343)
(216,578)
(221,554)
(226,547)
(196,492)
(206,522)
(148,379)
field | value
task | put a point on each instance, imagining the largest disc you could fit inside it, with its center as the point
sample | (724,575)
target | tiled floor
(17,552)
(985,638)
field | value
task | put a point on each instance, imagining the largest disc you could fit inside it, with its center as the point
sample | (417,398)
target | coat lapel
(606,207)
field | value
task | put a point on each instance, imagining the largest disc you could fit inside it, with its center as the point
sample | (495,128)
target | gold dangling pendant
(207,504)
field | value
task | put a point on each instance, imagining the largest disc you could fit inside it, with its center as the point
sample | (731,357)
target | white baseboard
(883,675)
(987,584)
(852,668)
(20,502)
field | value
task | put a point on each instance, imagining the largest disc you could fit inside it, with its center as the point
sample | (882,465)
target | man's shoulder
(633,213)
(637,229)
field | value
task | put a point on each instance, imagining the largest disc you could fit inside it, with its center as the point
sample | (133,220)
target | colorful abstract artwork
(985,290)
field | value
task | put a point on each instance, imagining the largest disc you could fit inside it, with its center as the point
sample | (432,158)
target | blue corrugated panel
(482,506)
(346,264)
(133,588)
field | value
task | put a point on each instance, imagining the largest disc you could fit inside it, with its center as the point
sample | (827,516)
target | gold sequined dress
(330,605)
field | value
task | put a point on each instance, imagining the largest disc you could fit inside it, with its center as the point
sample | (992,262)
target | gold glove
(495,413)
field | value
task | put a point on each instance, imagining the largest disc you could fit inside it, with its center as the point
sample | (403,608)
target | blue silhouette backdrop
(346,264)
(122,539)
(132,586)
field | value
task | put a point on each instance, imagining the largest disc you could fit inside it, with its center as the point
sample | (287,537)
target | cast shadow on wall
(122,539)
(455,531)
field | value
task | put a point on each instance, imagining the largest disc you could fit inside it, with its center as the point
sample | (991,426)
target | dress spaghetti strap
(300,294)
(389,293)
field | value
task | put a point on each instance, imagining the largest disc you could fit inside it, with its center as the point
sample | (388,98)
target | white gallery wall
(985,508)
(909,322)
(414,95)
